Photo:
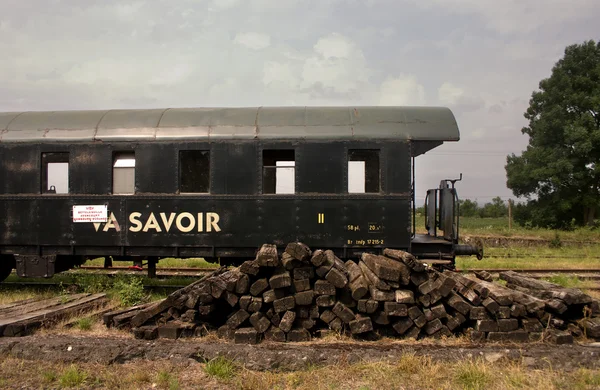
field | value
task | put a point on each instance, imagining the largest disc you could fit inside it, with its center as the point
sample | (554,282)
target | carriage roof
(436,124)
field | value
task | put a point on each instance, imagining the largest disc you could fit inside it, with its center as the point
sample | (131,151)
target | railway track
(168,272)
(160,271)
(185,272)
(50,284)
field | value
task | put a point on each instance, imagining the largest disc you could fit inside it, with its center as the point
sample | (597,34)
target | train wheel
(7,263)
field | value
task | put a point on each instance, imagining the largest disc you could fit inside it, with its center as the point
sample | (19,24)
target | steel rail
(535,270)
(169,269)
(58,283)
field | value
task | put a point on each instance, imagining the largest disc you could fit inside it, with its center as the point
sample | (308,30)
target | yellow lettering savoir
(201,222)
(152,223)
(212,220)
(112,223)
(136,224)
(167,222)
(184,222)
(180,226)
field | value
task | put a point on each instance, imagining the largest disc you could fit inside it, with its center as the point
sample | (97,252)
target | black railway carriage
(217,182)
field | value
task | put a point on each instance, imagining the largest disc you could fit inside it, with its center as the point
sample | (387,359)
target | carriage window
(194,171)
(55,173)
(363,171)
(279,172)
(124,173)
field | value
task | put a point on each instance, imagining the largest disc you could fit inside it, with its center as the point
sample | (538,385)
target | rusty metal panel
(156,168)
(234,168)
(20,169)
(194,225)
(329,160)
(396,168)
(90,169)
(19,221)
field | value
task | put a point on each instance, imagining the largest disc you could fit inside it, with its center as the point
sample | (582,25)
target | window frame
(120,156)
(281,153)
(349,158)
(54,158)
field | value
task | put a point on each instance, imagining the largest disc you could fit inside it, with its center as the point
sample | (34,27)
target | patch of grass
(472,375)
(409,363)
(166,380)
(10,295)
(530,258)
(555,242)
(179,281)
(220,368)
(130,291)
(49,376)
(191,263)
(518,380)
(168,262)
(92,284)
(141,377)
(587,379)
(410,371)
(499,226)
(571,281)
(72,377)
(84,323)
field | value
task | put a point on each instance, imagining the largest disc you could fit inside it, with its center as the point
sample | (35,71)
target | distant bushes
(470,208)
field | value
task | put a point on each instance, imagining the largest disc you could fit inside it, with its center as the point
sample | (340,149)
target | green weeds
(166,380)
(72,377)
(472,375)
(129,291)
(84,323)
(565,280)
(220,368)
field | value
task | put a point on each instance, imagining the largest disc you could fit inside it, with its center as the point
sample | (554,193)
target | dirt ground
(293,356)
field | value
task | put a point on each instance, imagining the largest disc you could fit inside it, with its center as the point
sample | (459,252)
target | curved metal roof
(343,123)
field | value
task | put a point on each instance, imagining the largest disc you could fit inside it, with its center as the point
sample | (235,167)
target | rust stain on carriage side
(19,167)
(85,158)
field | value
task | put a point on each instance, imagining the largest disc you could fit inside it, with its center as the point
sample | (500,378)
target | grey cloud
(91,54)
(496,109)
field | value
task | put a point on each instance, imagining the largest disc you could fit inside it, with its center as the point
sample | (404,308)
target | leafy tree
(468,208)
(495,209)
(560,169)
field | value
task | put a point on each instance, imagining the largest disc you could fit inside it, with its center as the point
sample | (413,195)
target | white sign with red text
(92,213)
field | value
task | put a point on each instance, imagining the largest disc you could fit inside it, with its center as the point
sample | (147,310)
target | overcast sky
(481,58)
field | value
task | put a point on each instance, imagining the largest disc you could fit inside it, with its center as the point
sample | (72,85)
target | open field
(535,257)
(166,364)
(499,227)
